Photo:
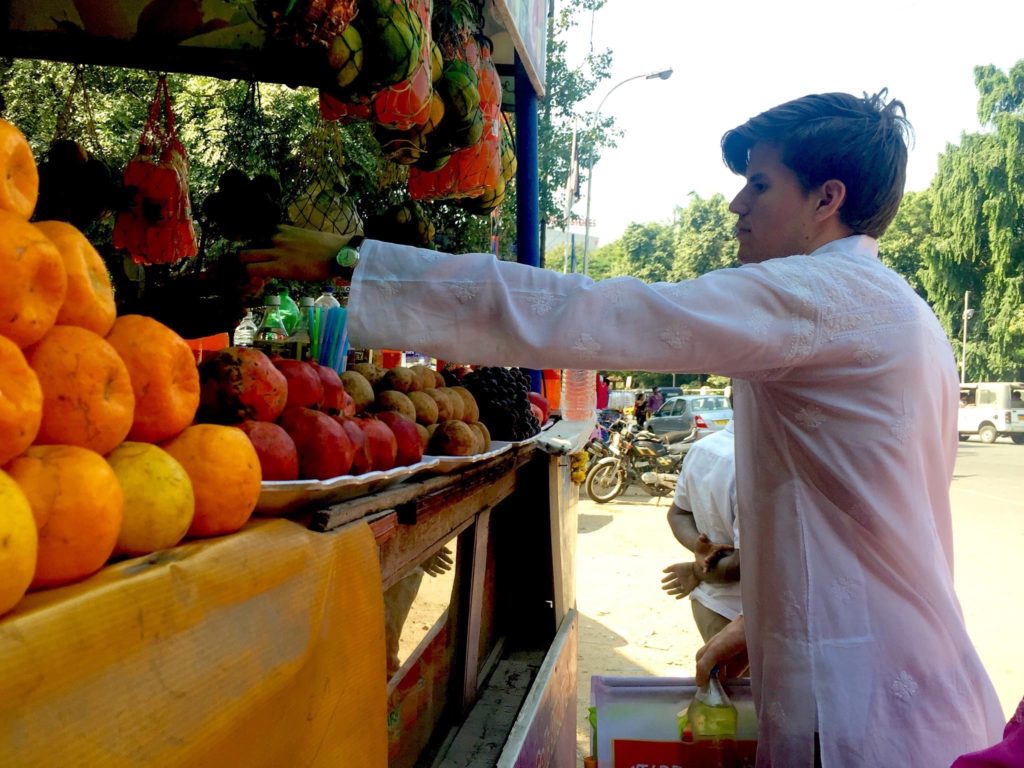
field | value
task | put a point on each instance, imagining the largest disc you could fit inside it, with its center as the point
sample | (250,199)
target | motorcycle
(639,454)
(605,441)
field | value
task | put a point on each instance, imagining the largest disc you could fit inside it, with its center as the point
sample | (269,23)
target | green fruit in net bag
(436,62)
(394,46)
(433,161)
(459,89)
(469,134)
(345,56)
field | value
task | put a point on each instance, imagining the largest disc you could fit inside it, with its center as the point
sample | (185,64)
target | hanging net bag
(319,196)
(157,227)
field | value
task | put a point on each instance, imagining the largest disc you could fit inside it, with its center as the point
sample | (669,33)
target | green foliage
(906,244)
(566,87)
(978,221)
(703,237)
(648,252)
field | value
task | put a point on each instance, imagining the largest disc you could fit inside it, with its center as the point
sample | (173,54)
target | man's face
(775,213)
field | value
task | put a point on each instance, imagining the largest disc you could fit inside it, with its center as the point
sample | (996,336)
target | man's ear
(831,196)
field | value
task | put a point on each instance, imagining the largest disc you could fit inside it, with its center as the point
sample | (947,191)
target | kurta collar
(855,245)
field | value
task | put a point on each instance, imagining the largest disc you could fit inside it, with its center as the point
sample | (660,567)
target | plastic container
(245,331)
(297,344)
(709,723)
(579,395)
(271,334)
(326,299)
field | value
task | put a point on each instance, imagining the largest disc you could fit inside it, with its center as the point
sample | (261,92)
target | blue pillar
(527,170)
(527,181)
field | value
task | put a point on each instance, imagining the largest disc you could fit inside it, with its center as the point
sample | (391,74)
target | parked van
(991,409)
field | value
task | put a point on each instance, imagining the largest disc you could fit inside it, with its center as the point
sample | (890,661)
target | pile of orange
(77,382)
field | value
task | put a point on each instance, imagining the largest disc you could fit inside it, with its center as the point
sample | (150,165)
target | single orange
(20,543)
(225,474)
(33,282)
(21,402)
(163,373)
(87,393)
(76,494)
(19,178)
(89,302)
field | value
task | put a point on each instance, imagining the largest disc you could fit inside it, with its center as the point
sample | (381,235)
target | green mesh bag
(319,196)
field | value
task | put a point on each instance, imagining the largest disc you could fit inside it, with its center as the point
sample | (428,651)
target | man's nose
(738,206)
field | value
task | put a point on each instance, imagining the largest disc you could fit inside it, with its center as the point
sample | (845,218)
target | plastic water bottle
(579,395)
(297,346)
(245,331)
(711,721)
(326,299)
(271,334)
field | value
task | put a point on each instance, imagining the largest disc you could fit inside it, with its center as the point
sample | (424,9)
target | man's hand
(294,254)
(438,563)
(681,580)
(727,650)
(708,553)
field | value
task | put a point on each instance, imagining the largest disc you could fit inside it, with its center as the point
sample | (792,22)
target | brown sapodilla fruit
(392,400)
(357,385)
(426,408)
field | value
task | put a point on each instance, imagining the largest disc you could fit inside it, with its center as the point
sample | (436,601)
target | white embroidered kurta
(846,403)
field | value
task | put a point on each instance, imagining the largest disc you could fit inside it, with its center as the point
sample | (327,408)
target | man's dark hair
(860,141)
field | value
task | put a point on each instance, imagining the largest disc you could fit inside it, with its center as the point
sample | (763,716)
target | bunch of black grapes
(243,209)
(501,394)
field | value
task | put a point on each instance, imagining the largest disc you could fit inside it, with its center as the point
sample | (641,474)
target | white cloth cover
(846,402)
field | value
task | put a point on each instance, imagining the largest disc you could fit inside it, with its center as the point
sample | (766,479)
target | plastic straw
(313,326)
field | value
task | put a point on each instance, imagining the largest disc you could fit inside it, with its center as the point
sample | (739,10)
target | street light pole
(968,314)
(664,74)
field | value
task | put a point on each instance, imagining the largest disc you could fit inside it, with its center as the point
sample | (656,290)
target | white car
(991,409)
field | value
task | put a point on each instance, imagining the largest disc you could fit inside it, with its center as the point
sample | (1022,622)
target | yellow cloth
(264,648)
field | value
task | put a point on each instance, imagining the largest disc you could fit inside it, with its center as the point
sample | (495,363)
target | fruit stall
(283,551)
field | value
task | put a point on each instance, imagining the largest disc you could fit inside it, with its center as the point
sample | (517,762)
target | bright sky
(734,59)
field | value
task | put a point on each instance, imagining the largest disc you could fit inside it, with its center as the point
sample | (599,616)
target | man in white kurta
(846,401)
(845,393)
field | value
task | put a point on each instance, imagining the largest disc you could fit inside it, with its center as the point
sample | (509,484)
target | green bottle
(289,312)
(711,720)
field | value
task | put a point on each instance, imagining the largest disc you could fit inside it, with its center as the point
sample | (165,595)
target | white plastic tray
(446,464)
(280,496)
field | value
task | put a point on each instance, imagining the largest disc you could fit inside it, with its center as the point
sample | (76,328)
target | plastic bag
(157,228)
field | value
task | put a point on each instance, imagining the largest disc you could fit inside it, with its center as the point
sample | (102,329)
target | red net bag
(157,227)
(472,171)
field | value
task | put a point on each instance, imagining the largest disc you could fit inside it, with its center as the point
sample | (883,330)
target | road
(630,627)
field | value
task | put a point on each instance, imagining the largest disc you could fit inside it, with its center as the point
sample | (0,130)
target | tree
(648,252)
(566,87)
(978,217)
(905,245)
(703,237)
